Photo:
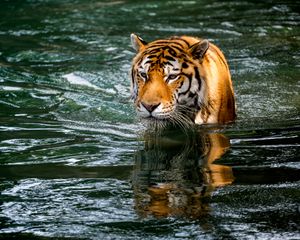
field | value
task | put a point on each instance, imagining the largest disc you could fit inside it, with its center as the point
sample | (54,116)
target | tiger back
(181,79)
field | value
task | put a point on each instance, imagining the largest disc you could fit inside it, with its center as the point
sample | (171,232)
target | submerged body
(181,79)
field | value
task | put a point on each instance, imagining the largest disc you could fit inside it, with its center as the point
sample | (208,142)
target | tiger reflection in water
(176,175)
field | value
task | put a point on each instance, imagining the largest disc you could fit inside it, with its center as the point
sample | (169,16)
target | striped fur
(181,79)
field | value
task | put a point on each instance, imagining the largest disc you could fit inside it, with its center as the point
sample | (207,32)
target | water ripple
(70,144)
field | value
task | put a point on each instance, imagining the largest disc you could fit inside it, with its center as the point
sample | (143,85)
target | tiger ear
(137,42)
(199,49)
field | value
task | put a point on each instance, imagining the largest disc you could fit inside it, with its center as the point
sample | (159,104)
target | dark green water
(73,160)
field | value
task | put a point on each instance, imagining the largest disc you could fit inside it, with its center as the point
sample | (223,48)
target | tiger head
(167,78)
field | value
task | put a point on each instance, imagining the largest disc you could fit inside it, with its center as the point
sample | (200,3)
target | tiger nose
(150,107)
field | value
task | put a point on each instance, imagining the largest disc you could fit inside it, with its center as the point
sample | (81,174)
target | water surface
(74,163)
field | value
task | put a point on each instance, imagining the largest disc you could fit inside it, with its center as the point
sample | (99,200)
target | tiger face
(169,80)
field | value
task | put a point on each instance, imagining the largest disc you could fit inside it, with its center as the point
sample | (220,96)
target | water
(74,161)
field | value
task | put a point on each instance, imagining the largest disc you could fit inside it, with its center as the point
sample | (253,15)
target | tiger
(181,79)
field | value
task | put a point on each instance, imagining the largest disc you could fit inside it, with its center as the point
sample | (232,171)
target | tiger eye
(172,76)
(143,75)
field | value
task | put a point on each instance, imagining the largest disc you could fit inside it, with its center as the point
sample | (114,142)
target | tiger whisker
(181,120)
(186,109)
